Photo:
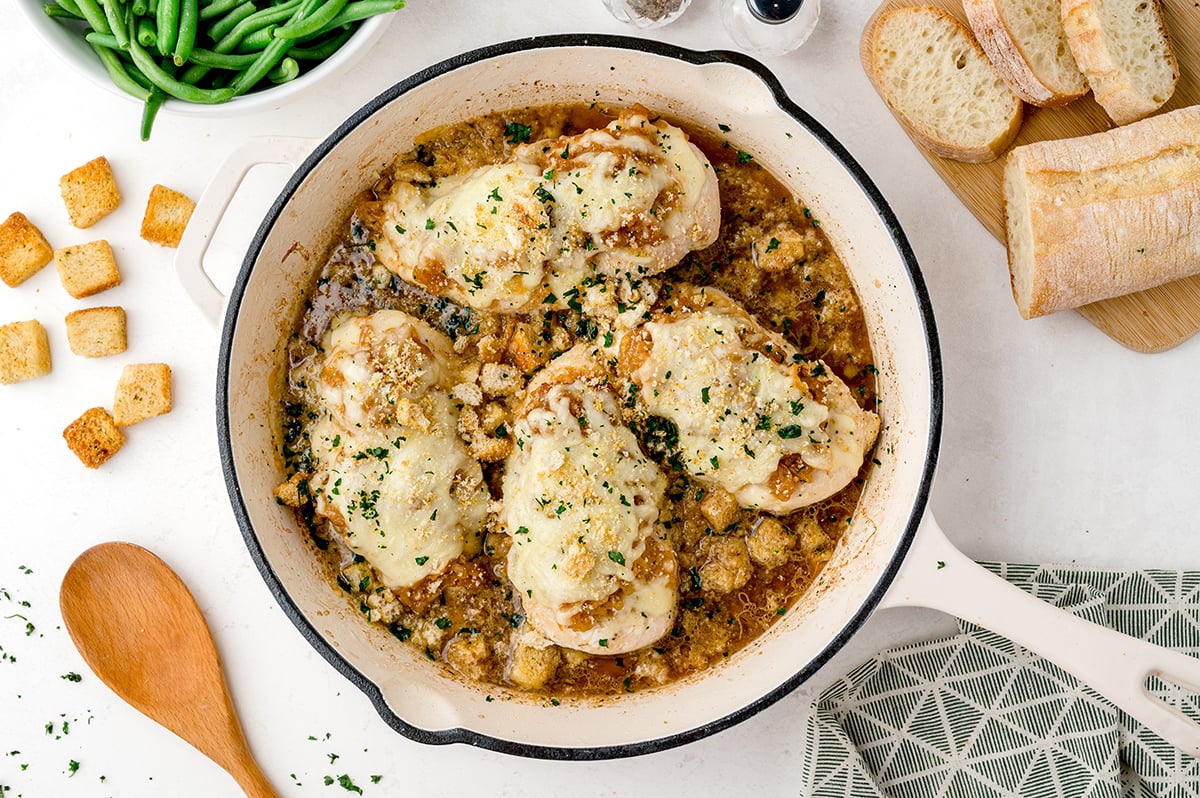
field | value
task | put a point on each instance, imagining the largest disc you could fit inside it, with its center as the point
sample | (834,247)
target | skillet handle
(210,210)
(1117,666)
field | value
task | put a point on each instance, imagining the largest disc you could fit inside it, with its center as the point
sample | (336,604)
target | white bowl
(70,46)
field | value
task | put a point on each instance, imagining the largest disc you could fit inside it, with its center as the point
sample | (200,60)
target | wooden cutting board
(1148,321)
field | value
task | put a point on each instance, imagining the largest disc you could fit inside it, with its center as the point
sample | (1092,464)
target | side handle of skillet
(211,209)
(939,576)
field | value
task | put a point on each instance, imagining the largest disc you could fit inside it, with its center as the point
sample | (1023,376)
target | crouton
(87,269)
(144,391)
(94,437)
(23,250)
(167,214)
(96,332)
(499,379)
(90,192)
(24,351)
(726,565)
(719,508)
(770,542)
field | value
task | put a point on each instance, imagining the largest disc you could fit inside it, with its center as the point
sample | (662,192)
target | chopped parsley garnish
(422,559)
(516,133)
(617,557)
(442,623)
(773,244)
(542,194)
(744,157)
(791,431)
(495,195)
(429,225)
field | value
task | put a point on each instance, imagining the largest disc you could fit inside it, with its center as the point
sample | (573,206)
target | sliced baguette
(1026,43)
(939,84)
(1123,50)
(1100,216)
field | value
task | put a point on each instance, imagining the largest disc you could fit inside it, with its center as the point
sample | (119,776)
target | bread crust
(1098,58)
(1011,59)
(916,127)
(1104,215)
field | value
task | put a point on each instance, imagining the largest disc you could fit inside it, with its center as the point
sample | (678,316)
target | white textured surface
(1059,445)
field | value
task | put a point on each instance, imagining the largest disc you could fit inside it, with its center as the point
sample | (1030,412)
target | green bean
(215,8)
(94,15)
(70,6)
(103,40)
(116,71)
(285,70)
(58,12)
(214,60)
(266,61)
(312,23)
(152,8)
(168,25)
(114,13)
(360,10)
(225,24)
(176,88)
(256,40)
(324,48)
(139,7)
(189,20)
(147,34)
(150,110)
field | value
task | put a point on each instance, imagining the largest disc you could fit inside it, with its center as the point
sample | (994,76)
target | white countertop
(1059,444)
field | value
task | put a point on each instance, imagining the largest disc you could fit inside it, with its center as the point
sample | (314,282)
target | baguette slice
(1026,43)
(939,84)
(1123,49)
(1100,216)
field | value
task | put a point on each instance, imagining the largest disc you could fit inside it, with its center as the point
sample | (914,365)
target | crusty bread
(87,269)
(24,351)
(143,391)
(1123,49)
(90,192)
(167,214)
(939,83)
(23,250)
(1099,216)
(1026,43)
(93,437)
(96,332)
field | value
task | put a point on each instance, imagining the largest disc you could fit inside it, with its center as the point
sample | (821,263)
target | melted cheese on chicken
(753,416)
(581,503)
(394,478)
(627,201)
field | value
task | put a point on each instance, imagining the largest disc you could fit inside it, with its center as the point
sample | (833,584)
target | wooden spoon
(140,630)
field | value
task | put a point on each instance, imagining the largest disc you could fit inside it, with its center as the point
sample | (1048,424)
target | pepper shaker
(770,27)
(647,13)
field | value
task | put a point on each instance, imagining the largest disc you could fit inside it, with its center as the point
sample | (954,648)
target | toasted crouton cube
(144,391)
(23,250)
(90,192)
(24,351)
(94,437)
(96,332)
(167,214)
(87,269)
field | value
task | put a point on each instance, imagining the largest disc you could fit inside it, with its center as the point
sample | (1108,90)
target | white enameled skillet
(894,553)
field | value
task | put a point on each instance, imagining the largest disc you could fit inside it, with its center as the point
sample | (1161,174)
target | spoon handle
(252,781)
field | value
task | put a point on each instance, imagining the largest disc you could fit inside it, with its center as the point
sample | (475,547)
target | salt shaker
(770,27)
(647,13)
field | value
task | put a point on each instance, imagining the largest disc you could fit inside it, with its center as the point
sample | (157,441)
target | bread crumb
(97,332)
(94,437)
(144,391)
(23,250)
(24,351)
(167,214)
(87,269)
(90,192)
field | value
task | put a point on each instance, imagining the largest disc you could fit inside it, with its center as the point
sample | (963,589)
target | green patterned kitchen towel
(976,715)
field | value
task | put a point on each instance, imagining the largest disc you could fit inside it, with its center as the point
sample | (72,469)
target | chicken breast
(394,479)
(591,563)
(624,201)
(749,413)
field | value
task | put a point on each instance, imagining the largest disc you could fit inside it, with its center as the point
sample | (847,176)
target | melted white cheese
(580,502)
(738,412)
(633,197)
(394,478)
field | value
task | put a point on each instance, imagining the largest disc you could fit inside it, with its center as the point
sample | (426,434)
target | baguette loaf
(1123,49)
(939,84)
(1026,43)
(1100,216)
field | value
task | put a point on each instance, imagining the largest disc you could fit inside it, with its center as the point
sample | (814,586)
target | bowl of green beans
(208,56)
